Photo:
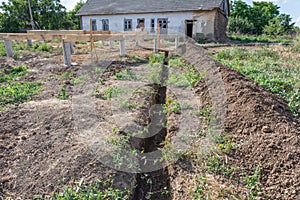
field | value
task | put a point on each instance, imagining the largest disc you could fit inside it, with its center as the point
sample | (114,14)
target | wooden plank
(2,35)
(98,37)
(56,32)
(95,32)
(26,36)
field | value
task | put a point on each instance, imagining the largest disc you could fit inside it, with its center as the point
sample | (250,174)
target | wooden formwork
(68,37)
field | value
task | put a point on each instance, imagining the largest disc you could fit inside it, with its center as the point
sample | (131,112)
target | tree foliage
(46,14)
(260,18)
(279,25)
(73,19)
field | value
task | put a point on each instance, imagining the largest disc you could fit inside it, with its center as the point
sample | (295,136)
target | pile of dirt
(267,133)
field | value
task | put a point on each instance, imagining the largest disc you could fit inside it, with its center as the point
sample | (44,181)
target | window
(94,25)
(140,23)
(127,24)
(105,24)
(152,26)
(163,23)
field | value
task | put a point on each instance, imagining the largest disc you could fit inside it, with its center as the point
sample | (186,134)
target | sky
(290,7)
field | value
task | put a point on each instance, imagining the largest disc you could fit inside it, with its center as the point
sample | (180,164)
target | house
(200,19)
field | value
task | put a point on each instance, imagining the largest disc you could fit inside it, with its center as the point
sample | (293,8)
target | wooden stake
(158,33)
(122,48)
(8,48)
(66,47)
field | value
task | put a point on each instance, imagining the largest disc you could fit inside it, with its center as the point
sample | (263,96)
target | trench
(155,184)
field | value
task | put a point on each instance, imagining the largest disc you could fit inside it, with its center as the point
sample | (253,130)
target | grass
(98,190)
(18,48)
(2,49)
(184,75)
(277,70)
(12,90)
(260,39)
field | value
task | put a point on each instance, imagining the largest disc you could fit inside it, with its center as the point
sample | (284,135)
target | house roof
(110,7)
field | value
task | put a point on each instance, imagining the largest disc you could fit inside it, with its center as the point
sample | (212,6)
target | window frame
(127,24)
(152,25)
(105,24)
(94,25)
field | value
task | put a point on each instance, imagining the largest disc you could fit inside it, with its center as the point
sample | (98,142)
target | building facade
(200,19)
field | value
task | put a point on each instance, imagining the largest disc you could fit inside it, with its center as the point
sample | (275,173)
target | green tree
(47,14)
(279,25)
(51,15)
(262,13)
(251,20)
(73,19)
(240,25)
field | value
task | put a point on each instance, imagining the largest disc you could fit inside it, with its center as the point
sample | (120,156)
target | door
(189,28)
(163,23)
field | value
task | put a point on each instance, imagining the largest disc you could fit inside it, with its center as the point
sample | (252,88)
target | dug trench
(152,184)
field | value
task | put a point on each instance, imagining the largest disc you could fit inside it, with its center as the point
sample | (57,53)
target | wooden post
(29,42)
(66,48)
(158,34)
(72,45)
(137,42)
(91,34)
(176,42)
(111,44)
(8,48)
(122,48)
(155,45)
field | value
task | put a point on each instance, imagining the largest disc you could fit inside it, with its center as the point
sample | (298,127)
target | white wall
(116,22)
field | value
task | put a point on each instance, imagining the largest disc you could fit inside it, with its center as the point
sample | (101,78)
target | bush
(239,25)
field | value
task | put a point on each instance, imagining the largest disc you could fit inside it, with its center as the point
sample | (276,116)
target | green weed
(126,74)
(42,47)
(2,49)
(113,91)
(156,58)
(215,165)
(63,94)
(199,189)
(252,183)
(171,105)
(12,90)
(100,189)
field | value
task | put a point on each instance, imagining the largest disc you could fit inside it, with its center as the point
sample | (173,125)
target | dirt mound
(268,133)
(261,125)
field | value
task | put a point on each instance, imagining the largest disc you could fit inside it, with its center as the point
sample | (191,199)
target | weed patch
(100,189)
(14,92)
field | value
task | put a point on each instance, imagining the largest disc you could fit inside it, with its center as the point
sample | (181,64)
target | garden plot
(139,128)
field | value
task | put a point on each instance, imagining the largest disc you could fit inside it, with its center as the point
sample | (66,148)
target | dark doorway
(189,28)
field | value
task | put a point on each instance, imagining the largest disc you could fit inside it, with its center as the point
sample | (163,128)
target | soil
(41,152)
